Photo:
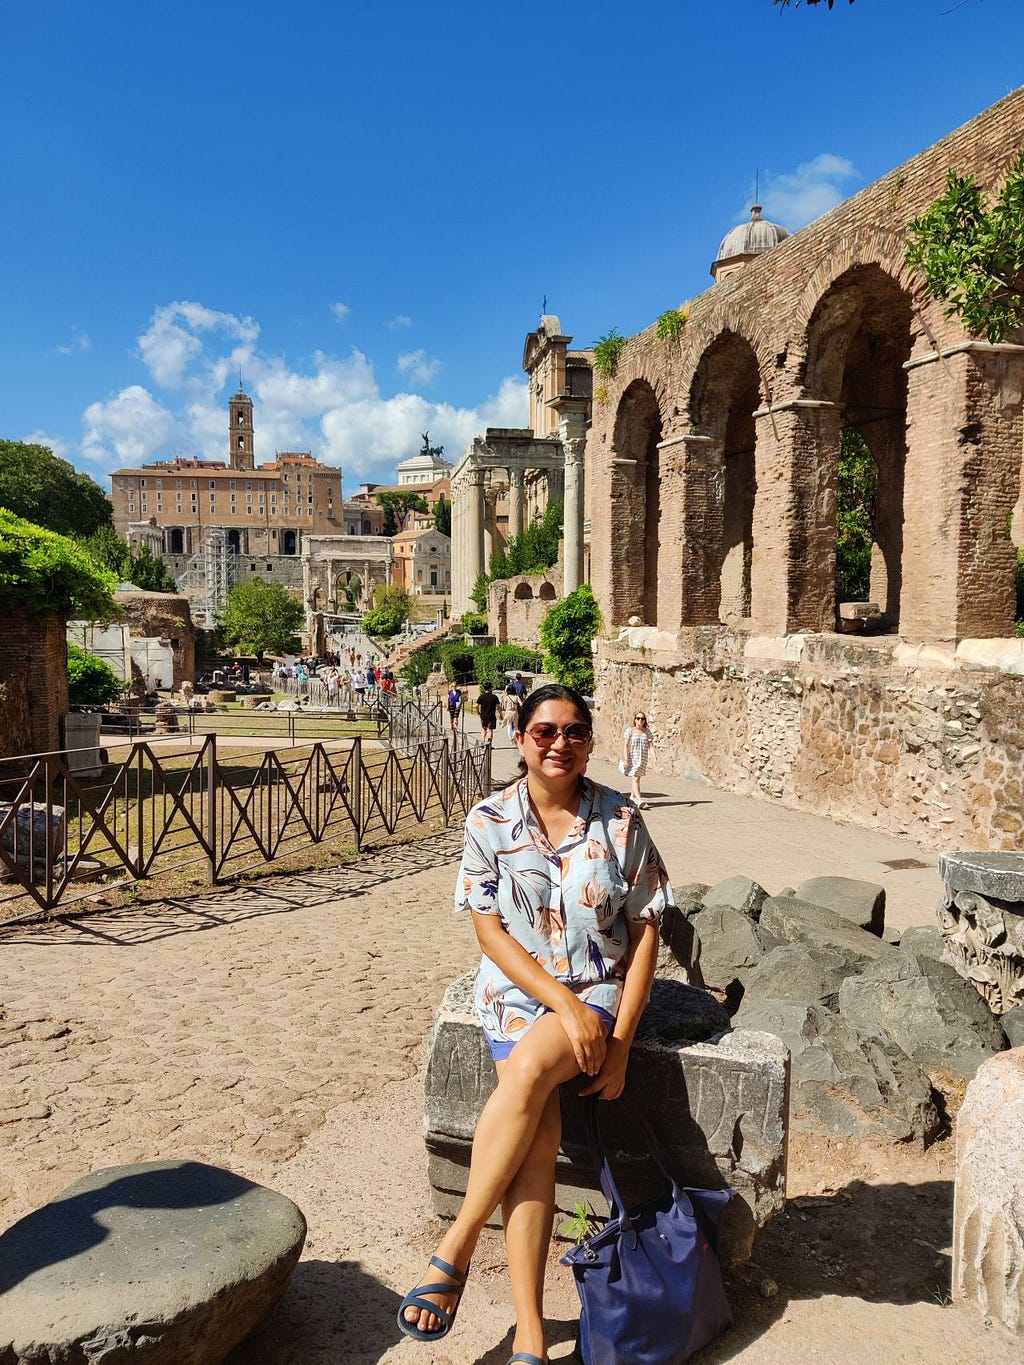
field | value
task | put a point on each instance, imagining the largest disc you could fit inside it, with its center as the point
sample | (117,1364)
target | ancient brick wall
(835,322)
(517,606)
(853,730)
(164,615)
(34,677)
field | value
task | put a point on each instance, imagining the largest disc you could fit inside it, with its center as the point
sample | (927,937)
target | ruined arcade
(718,452)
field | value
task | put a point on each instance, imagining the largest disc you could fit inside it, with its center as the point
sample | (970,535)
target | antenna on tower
(240,389)
(757,178)
(544,306)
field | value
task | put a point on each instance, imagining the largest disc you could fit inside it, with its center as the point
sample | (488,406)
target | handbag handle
(599,1156)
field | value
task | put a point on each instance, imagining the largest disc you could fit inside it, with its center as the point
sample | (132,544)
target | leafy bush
(42,574)
(464,664)
(855,518)
(473,623)
(670,325)
(566,634)
(494,661)
(91,682)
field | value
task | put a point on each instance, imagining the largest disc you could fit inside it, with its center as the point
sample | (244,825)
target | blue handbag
(649,1282)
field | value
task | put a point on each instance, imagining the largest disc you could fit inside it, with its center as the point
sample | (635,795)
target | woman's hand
(586,1033)
(610,1081)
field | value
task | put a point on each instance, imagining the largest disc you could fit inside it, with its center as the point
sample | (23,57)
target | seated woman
(566,891)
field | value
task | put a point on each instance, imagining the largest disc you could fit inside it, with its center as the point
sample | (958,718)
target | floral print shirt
(569,907)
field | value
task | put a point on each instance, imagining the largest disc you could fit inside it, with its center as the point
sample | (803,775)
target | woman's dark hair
(529,708)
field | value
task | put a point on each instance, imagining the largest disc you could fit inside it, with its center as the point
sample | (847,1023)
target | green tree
(566,634)
(971,253)
(392,607)
(855,518)
(42,573)
(262,618)
(443,516)
(91,682)
(138,566)
(535,550)
(49,492)
(396,505)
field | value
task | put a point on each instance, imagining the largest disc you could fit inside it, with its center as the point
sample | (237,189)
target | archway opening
(176,542)
(858,340)
(288,542)
(636,491)
(723,399)
(234,541)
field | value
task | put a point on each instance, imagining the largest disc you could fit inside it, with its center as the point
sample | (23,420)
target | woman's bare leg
(528,1211)
(504,1135)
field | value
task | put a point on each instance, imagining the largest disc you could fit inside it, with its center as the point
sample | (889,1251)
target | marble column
(515,502)
(474,528)
(573,444)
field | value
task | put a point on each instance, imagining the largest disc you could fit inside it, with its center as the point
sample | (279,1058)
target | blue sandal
(415,1299)
(525,1358)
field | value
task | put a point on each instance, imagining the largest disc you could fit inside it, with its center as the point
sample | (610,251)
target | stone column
(573,437)
(515,502)
(988,1195)
(982,921)
(474,531)
(793,565)
(962,480)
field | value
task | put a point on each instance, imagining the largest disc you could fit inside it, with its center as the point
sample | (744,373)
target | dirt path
(280,1031)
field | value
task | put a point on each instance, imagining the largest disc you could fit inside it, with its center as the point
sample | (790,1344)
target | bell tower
(240,431)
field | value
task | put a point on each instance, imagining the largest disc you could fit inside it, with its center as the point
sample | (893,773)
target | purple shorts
(501,1047)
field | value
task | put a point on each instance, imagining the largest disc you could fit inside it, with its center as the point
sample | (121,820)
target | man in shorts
(487,706)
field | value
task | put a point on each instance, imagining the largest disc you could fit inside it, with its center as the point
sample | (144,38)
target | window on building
(142,483)
(248,483)
(192,483)
(213,483)
(158,483)
(248,497)
(261,497)
(177,483)
(233,484)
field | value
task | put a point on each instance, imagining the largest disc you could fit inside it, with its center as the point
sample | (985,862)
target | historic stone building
(506,478)
(713,468)
(422,560)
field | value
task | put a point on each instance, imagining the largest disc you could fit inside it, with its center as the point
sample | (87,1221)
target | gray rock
(690,891)
(862,903)
(1012,1024)
(680,945)
(730,943)
(998,876)
(924,940)
(718,1107)
(846,1083)
(678,1013)
(927,1009)
(791,920)
(737,893)
(168,1262)
(801,973)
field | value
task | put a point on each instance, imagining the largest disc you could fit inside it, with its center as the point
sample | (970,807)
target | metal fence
(185,802)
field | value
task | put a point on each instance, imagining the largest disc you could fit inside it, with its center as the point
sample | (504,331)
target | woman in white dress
(637,742)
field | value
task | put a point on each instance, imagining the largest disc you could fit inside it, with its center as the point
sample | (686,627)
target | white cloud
(128,428)
(396,324)
(174,338)
(420,368)
(796,198)
(80,341)
(331,406)
(55,443)
(340,311)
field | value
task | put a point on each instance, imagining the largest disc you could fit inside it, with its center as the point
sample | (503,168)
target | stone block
(988,1201)
(926,1009)
(1012,1024)
(719,1107)
(171,1263)
(800,973)
(730,942)
(924,940)
(791,920)
(862,903)
(737,893)
(847,1083)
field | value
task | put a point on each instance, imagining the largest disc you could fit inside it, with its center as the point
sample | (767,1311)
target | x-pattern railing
(163,809)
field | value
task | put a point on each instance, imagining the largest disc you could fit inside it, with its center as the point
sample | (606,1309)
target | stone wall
(517,606)
(34,678)
(284,569)
(165,616)
(921,742)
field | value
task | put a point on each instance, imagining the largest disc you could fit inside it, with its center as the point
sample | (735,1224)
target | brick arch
(712,325)
(638,430)
(638,363)
(867,247)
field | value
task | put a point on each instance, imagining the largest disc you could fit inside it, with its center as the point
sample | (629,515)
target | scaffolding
(209,576)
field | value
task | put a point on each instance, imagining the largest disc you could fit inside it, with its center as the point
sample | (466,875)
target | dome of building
(745,241)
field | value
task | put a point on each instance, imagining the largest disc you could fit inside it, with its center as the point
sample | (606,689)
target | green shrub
(464,664)
(494,661)
(607,350)
(91,682)
(566,633)
(473,623)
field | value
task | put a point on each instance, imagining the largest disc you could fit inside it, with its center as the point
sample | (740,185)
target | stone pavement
(279,1029)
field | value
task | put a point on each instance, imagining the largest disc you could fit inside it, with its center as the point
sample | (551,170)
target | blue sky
(364,206)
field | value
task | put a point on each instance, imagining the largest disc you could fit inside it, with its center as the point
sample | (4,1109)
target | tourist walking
(510,710)
(454,704)
(637,742)
(487,707)
(567,915)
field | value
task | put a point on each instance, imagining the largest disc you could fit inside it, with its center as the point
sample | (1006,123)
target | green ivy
(669,326)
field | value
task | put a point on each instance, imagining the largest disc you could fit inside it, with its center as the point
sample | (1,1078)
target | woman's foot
(428,1311)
